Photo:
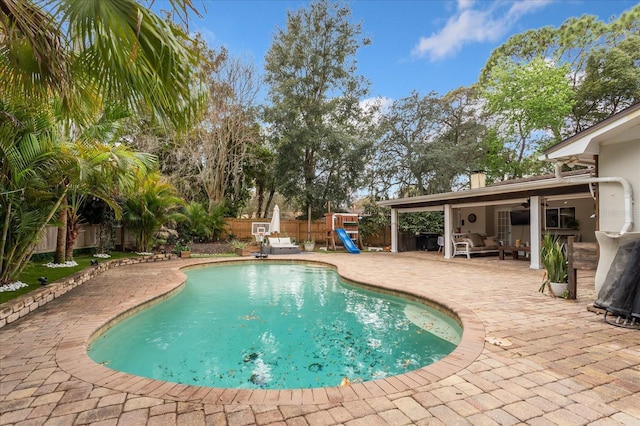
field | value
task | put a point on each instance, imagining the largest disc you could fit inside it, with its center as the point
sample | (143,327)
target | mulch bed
(211,248)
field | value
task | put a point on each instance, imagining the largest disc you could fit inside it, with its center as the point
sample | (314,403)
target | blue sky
(422,45)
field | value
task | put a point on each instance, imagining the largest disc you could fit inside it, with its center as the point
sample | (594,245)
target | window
(563,217)
(553,218)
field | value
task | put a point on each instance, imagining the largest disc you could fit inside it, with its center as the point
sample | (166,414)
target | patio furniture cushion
(282,245)
(466,240)
(468,243)
(281,241)
(490,242)
(476,240)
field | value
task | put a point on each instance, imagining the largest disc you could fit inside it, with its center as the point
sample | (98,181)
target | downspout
(627,194)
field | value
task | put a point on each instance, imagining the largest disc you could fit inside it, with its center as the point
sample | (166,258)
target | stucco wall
(585,207)
(479,225)
(622,160)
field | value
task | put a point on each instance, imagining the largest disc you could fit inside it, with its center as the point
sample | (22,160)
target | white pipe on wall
(627,194)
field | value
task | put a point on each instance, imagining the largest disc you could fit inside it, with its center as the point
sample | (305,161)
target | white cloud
(378,104)
(469,25)
(381,102)
(465,4)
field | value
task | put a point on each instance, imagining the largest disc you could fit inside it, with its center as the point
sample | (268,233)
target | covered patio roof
(534,189)
(543,186)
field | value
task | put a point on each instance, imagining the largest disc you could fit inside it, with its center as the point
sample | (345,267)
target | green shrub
(554,260)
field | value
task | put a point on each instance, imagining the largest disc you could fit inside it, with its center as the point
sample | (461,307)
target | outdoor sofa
(474,243)
(282,245)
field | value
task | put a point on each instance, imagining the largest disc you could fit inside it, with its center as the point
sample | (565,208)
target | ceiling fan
(527,204)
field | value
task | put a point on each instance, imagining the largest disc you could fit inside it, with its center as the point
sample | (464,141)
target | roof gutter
(627,194)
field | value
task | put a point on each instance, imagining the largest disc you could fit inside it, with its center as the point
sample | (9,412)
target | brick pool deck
(564,366)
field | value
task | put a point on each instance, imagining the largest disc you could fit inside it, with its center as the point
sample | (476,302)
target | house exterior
(581,203)
(612,148)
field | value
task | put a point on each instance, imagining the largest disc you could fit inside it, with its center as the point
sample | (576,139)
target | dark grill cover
(620,293)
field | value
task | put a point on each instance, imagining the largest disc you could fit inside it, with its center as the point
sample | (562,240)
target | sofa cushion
(476,240)
(490,242)
(281,242)
(466,240)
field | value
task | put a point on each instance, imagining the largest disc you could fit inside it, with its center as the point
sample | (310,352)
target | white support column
(535,230)
(448,231)
(394,230)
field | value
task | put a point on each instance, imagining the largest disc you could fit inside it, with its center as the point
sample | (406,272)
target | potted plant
(182,249)
(241,248)
(554,260)
(309,245)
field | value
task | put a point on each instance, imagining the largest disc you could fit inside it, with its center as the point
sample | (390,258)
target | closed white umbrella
(274,228)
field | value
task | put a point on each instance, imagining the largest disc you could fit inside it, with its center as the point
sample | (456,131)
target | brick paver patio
(564,366)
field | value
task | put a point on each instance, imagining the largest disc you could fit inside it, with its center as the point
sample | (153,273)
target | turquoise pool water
(275,326)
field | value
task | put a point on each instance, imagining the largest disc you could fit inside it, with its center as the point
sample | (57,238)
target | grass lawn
(34,270)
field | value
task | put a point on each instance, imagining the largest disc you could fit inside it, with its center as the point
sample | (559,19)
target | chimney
(478,179)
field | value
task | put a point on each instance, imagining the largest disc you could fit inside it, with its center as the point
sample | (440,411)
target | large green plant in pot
(554,260)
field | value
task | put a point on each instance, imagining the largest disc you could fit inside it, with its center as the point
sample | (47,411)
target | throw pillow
(477,240)
(490,242)
(467,240)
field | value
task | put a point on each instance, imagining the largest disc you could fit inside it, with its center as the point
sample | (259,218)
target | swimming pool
(272,326)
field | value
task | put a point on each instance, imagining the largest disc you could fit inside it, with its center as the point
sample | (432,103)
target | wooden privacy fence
(240,229)
(88,237)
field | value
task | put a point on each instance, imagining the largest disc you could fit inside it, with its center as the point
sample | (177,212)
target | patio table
(513,250)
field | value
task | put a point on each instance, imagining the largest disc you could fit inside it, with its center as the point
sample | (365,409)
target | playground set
(345,226)
(342,225)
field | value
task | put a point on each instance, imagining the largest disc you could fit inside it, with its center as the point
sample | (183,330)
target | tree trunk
(259,212)
(73,228)
(269,201)
(61,239)
(4,279)
(308,221)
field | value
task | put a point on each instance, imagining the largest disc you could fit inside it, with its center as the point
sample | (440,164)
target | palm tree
(204,225)
(106,172)
(104,169)
(29,160)
(59,61)
(67,49)
(155,203)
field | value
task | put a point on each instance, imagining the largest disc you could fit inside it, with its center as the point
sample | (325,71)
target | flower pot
(558,289)
(246,251)
(185,254)
(309,246)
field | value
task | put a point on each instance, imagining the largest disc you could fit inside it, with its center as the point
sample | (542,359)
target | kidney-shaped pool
(275,325)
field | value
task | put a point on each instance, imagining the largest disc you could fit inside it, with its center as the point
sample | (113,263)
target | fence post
(572,272)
